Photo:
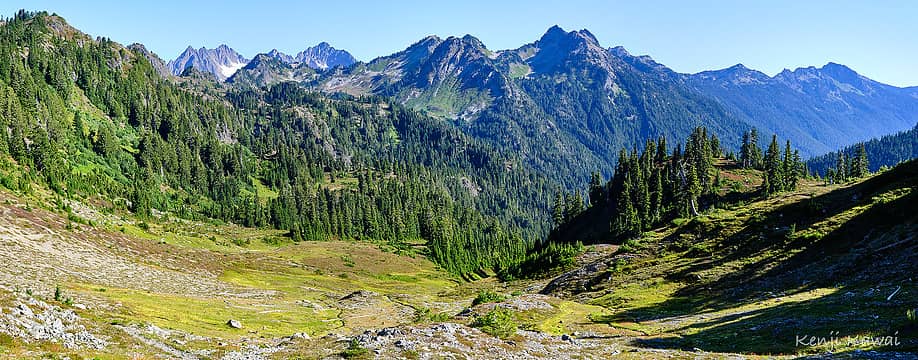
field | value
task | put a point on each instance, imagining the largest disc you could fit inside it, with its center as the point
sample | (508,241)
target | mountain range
(223,61)
(820,109)
(566,103)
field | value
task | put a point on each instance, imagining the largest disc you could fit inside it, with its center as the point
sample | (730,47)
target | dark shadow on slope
(874,248)
(843,315)
(770,231)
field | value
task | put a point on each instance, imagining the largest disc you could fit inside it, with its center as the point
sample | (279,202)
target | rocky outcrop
(35,320)
(223,61)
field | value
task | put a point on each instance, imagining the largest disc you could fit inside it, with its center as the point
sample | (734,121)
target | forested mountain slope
(108,127)
(566,104)
(818,260)
(881,152)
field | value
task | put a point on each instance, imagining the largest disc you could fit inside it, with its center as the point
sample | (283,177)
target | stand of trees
(656,185)
(849,167)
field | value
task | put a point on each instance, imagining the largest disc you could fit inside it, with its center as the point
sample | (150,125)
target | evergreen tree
(661,149)
(597,189)
(574,206)
(841,167)
(773,169)
(862,167)
(716,150)
(656,200)
(557,214)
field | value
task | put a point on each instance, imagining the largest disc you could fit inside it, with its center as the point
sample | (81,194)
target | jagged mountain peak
(155,60)
(619,51)
(737,74)
(323,56)
(428,42)
(221,61)
(738,67)
(277,54)
(558,48)
(469,42)
(841,72)
(557,34)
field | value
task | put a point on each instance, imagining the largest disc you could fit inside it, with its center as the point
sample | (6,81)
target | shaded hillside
(813,261)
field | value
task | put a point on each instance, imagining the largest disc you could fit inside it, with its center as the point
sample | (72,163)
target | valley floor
(170,288)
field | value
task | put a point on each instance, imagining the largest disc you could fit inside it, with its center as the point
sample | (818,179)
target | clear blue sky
(879,39)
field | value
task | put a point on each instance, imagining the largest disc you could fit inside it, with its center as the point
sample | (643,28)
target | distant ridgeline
(886,151)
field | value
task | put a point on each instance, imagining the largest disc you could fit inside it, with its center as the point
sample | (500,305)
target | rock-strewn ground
(36,320)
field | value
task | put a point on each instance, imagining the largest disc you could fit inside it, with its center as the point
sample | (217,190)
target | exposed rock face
(158,63)
(223,61)
(320,57)
(268,69)
(36,320)
(324,56)
(279,56)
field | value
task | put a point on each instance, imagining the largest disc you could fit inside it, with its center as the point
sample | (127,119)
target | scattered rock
(389,332)
(467,312)
(360,295)
(235,324)
(157,331)
(48,323)
(24,310)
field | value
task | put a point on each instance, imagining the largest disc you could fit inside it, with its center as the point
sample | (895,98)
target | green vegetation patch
(208,316)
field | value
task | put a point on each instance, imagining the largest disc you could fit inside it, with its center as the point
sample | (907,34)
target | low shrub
(498,322)
(487,296)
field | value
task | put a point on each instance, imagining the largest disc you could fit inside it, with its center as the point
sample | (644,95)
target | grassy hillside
(751,276)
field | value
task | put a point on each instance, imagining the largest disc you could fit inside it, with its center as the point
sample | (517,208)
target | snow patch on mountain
(228,70)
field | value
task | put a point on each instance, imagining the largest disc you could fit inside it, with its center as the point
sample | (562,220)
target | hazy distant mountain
(222,61)
(323,56)
(268,69)
(320,57)
(819,109)
(279,56)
